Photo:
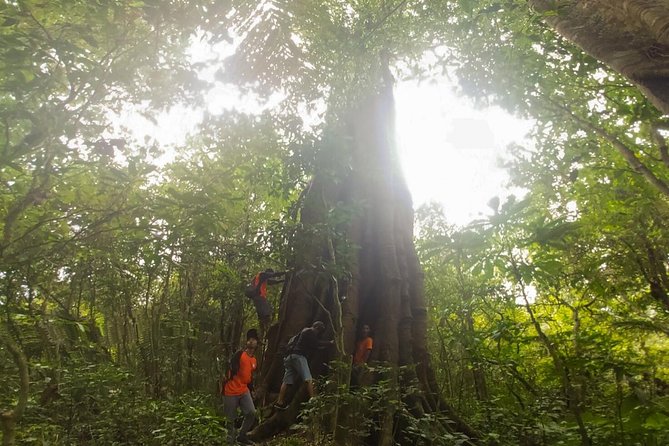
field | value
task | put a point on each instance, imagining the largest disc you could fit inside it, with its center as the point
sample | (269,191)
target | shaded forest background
(121,279)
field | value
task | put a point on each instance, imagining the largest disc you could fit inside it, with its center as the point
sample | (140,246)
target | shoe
(243,439)
(283,406)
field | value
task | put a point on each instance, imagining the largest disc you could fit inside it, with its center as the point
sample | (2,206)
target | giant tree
(353,260)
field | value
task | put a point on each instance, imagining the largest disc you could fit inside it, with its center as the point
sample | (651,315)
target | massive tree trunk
(631,36)
(370,260)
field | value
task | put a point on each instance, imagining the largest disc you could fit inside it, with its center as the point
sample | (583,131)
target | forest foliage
(122,276)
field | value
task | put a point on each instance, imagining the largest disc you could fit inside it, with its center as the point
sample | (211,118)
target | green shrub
(361,409)
(104,405)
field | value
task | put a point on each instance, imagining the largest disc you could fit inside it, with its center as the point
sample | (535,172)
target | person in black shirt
(296,362)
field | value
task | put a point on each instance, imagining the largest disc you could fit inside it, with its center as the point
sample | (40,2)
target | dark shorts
(263,307)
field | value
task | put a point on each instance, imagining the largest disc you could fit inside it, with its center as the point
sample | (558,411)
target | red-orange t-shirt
(263,286)
(239,383)
(360,349)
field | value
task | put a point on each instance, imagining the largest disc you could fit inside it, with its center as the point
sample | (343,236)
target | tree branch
(381,21)
(627,153)
(661,143)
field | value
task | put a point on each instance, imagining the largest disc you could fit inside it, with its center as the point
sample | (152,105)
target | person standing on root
(257,292)
(296,362)
(237,391)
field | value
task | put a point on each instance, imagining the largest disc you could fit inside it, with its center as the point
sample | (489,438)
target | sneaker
(243,439)
(283,406)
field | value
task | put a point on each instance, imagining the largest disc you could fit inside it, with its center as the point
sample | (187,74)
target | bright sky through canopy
(450,150)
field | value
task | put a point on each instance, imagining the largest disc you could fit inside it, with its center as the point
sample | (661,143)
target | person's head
(252,333)
(251,344)
(318,326)
(365,331)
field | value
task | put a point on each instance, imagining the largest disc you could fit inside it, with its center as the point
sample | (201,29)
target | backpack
(292,343)
(231,370)
(233,365)
(252,289)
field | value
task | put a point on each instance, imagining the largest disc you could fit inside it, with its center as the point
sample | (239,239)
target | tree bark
(631,36)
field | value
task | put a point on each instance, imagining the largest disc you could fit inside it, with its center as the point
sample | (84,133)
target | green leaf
(28,75)
(657,421)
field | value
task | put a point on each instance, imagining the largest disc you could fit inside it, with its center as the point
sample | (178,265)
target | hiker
(363,348)
(257,292)
(238,387)
(296,363)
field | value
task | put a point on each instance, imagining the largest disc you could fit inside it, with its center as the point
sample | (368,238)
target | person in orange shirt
(264,309)
(363,348)
(237,393)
